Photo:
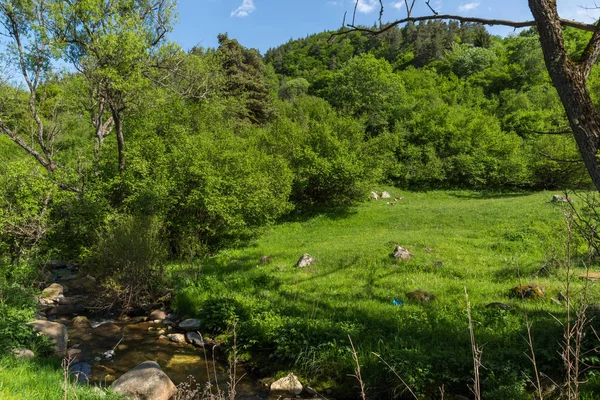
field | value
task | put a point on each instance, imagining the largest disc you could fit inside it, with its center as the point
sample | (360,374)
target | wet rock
(498,305)
(157,315)
(81,322)
(420,295)
(190,324)
(67,301)
(52,291)
(400,253)
(55,331)
(145,382)
(67,309)
(385,195)
(24,354)
(108,329)
(305,261)
(176,337)
(528,291)
(85,284)
(195,339)
(82,371)
(374,196)
(289,384)
(172,317)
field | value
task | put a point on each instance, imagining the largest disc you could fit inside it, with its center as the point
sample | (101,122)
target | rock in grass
(145,382)
(374,196)
(561,199)
(400,253)
(289,384)
(385,195)
(55,331)
(190,324)
(305,261)
(24,354)
(528,291)
(420,295)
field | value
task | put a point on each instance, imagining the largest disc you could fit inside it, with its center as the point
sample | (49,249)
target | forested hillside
(123,153)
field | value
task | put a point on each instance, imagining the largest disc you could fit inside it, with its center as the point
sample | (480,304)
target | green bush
(128,257)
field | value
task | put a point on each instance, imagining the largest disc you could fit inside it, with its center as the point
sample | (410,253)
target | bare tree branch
(590,54)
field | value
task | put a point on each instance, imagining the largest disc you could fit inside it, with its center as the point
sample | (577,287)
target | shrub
(128,257)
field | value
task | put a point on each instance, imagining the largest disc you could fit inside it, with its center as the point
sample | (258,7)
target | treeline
(219,142)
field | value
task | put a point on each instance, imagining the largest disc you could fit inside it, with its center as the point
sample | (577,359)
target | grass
(291,318)
(39,379)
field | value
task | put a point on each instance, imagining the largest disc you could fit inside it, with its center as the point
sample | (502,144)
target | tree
(569,74)
(109,41)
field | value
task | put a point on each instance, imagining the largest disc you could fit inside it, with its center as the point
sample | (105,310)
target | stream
(113,347)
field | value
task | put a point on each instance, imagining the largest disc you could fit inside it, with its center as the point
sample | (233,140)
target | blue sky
(263,24)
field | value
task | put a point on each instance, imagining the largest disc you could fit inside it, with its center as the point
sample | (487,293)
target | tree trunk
(120,139)
(569,79)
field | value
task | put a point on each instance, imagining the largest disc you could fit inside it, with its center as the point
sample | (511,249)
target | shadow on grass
(488,195)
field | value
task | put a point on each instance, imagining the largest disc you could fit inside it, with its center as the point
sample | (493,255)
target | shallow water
(136,343)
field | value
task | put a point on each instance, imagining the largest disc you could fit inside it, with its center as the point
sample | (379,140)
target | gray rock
(305,261)
(289,384)
(145,382)
(374,196)
(400,253)
(157,315)
(81,322)
(55,331)
(176,337)
(561,199)
(385,195)
(25,354)
(195,339)
(190,324)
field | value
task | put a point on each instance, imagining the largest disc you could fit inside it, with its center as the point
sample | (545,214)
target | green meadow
(300,319)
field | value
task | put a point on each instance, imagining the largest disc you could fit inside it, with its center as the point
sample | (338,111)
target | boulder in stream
(145,382)
(55,331)
(190,324)
(52,291)
(288,384)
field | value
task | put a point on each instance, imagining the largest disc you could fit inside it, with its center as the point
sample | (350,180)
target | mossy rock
(528,291)
(420,295)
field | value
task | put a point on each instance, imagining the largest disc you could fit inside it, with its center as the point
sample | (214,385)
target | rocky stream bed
(103,350)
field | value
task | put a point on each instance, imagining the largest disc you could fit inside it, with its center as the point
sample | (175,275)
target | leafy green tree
(293,88)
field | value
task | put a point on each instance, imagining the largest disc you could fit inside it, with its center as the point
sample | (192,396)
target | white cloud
(398,5)
(246,8)
(366,6)
(468,6)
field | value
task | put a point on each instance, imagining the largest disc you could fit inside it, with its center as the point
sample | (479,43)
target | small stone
(374,196)
(161,332)
(528,291)
(190,324)
(400,253)
(157,315)
(109,354)
(561,199)
(265,260)
(81,322)
(420,295)
(172,317)
(24,354)
(289,384)
(385,195)
(305,261)
(176,337)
